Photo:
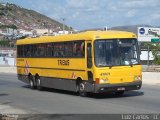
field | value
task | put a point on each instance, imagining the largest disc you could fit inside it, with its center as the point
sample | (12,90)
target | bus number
(104,74)
(63,62)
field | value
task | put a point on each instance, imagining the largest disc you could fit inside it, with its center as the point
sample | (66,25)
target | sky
(86,14)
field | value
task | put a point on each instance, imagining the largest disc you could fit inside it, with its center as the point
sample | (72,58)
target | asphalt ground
(17,98)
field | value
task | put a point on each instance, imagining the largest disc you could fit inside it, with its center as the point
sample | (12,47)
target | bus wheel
(38,83)
(31,83)
(81,89)
(119,93)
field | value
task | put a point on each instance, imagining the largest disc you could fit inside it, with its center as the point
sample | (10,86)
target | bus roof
(88,35)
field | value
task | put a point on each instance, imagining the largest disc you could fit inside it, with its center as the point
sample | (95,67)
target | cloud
(113,12)
(42,5)
(156,16)
(139,4)
(131,13)
(85,4)
(82,14)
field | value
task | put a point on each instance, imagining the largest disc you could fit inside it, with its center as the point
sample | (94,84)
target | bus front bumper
(102,88)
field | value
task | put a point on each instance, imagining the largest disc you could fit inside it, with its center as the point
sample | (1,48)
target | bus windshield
(119,52)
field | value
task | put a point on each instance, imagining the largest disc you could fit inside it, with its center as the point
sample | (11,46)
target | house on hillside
(43,31)
(3,4)
(25,32)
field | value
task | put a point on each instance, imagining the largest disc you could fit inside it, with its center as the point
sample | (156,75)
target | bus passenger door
(89,62)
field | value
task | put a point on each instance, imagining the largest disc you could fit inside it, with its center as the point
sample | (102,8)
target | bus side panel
(40,65)
(51,74)
(23,78)
(58,83)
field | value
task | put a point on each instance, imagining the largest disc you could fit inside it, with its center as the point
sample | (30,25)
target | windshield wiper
(110,66)
(130,63)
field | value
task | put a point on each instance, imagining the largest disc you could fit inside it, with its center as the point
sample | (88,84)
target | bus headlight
(98,80)
(137,78)
(103,80)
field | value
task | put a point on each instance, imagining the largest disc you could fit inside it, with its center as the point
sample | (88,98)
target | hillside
(26,19)
(131,28)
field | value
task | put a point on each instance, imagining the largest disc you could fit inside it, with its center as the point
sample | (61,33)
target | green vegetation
(1,13)
(155,48)
(7,43)
(4,43)
(8,26)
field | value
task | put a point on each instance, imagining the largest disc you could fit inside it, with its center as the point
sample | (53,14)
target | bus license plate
(121,88)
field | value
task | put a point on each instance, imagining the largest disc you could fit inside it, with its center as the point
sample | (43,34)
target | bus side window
(59,50)
(33,50)
(78,49)
(68,46)
(27,51)
(19,51)
(41,50)
(49,49)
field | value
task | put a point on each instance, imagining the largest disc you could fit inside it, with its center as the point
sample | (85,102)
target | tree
(14,27)
(1,14)
(4,43)
(155,49)
(156,54)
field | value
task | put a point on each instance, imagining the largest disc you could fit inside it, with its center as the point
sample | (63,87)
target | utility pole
(148,56)
(63,19)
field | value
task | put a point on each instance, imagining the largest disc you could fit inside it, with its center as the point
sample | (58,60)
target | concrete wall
(10,61)
(8,70)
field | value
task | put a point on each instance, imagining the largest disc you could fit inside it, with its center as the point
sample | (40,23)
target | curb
(6,109)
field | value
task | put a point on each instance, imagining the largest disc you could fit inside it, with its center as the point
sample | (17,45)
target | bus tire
(31,83)
(119,93)
(81,89)
(38,83)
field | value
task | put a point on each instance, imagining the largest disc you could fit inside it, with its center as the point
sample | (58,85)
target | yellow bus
(91,61)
